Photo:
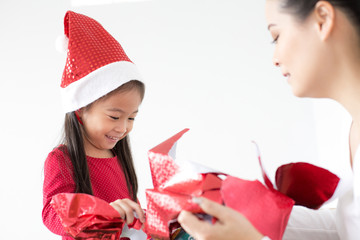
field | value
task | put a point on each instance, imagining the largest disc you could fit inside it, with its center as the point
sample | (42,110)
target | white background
(208,67)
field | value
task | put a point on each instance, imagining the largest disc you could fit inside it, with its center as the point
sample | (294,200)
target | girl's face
(109,120)
(299,51)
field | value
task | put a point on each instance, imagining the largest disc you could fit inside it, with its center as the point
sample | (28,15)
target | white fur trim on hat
(97,84)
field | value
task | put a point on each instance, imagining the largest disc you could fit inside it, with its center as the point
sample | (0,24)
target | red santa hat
(96,63)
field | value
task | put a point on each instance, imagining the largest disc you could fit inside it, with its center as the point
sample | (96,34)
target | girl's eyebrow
(120,110)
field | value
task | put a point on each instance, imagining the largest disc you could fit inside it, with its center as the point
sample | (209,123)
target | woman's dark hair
(73,140)
(302,8)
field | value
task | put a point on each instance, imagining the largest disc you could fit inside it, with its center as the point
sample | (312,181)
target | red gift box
(267,208)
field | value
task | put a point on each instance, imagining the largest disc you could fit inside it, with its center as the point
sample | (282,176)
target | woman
(318,51)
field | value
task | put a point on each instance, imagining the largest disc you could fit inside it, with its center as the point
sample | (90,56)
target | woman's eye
(132,119)
(115,118)
(275,39)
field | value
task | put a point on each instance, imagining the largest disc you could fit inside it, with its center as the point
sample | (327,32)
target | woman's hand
(230,224)
(127,209)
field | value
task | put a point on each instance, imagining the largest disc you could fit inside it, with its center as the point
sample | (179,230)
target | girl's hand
(127,209)
(230,224)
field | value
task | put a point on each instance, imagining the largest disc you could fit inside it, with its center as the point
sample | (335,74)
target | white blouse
(331,224)
(348,208)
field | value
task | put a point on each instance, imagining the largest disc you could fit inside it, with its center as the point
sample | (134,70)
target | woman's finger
(194,226)
(228,221)
(212,208)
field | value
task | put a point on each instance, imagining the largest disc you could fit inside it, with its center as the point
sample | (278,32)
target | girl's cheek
(130,127)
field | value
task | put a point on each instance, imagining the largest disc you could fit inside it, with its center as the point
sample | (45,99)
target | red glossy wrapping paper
(266,207)
(308,185)
(87,217)
(172,192)
(268,210)
(164,205)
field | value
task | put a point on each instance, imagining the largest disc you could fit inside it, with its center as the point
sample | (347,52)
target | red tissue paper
(84,216)
(267,207)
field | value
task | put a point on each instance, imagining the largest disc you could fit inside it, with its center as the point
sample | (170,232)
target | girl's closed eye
(115,118)
(132,119)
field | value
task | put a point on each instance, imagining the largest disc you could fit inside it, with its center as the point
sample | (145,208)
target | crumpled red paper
(268,210)
(169,197)
(310,186)
(84,216)
(266,207)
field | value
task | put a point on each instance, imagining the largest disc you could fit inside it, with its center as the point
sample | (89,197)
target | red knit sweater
(106,175)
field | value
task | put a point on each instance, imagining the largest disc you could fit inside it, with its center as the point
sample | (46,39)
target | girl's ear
(325,19)
(79,114)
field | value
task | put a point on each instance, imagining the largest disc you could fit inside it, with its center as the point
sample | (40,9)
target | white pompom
(61,43)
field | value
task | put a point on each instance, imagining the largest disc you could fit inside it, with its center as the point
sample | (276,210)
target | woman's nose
(276,62)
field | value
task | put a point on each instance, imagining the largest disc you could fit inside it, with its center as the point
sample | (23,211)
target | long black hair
(73,141)
(302,8)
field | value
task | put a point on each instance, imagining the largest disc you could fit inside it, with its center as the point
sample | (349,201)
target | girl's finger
(119,209)
(136,207)
(129,212)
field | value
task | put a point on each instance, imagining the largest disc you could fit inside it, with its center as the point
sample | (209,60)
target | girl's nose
(121,127)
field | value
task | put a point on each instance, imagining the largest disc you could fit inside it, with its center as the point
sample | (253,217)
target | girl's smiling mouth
(115,139)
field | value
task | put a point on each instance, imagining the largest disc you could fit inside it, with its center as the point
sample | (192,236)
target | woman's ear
(325,19)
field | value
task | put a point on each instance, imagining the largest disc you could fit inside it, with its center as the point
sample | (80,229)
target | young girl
(318,51)
(101,95)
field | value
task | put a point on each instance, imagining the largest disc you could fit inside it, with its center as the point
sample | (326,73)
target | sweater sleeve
(57,179)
